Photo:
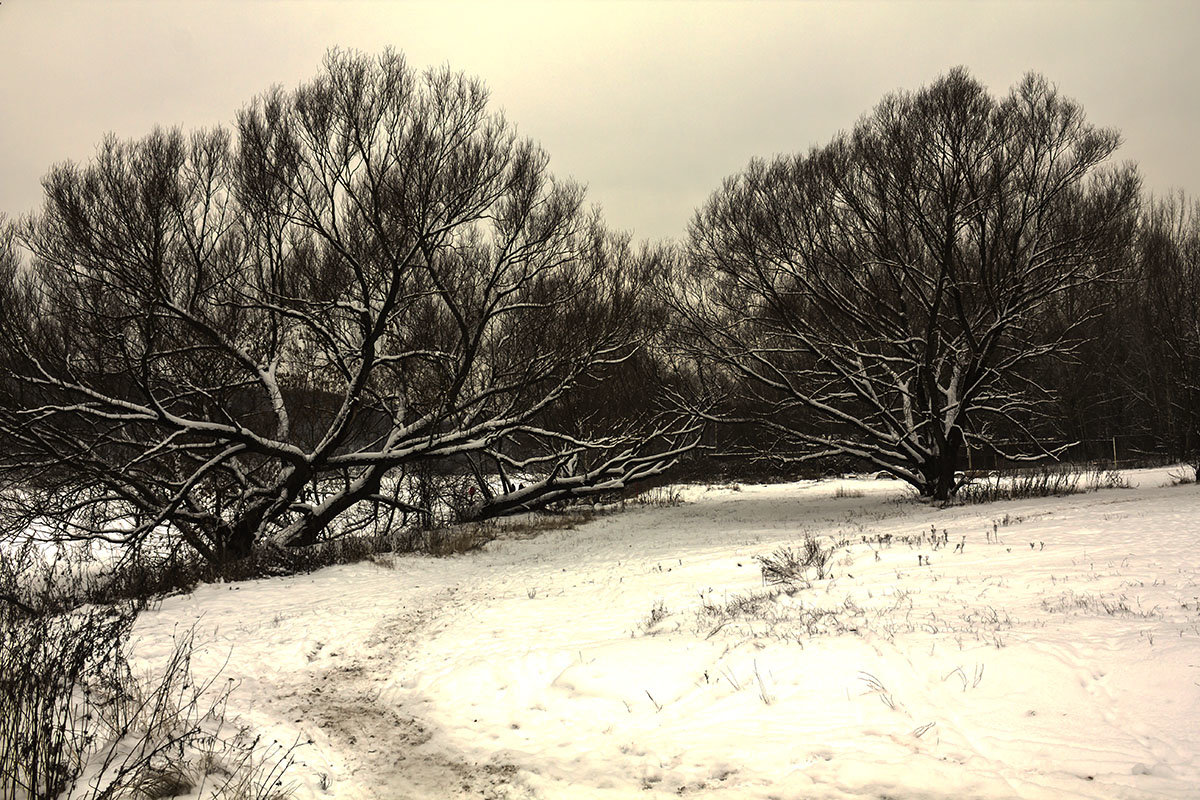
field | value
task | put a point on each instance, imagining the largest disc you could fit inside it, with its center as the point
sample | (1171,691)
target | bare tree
(879,297)
(249,336)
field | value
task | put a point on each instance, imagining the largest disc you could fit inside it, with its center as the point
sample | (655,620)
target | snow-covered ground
(1055,654)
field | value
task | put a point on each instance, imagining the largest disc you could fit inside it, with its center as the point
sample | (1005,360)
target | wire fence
(1128,451)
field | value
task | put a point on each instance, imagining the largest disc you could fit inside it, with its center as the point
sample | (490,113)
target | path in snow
(342,701)
(311,655)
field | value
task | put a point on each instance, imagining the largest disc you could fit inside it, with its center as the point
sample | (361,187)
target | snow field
(642,655)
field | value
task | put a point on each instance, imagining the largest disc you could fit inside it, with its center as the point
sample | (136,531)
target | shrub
(1044,481)
(74,719)
(77,722)
(788,565)
(1181,478)
(55,672)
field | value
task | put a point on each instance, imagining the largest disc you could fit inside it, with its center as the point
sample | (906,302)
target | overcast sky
(650,104)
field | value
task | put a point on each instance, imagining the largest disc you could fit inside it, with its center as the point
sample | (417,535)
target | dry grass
(668,496)
(529,526)
(777,612)
(797,565)
(658,612)
(457,539)
(1098,604)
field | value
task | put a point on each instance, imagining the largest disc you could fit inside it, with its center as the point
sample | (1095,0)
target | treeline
(1137,371)
(370,299)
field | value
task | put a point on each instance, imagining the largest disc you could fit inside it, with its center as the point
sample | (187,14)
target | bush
(1044,481)
(76,722)
(55,675)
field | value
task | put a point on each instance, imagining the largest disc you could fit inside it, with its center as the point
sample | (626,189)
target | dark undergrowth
(76,721)
(53,578)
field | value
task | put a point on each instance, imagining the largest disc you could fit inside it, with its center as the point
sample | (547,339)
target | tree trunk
(238,543)
(941,468)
